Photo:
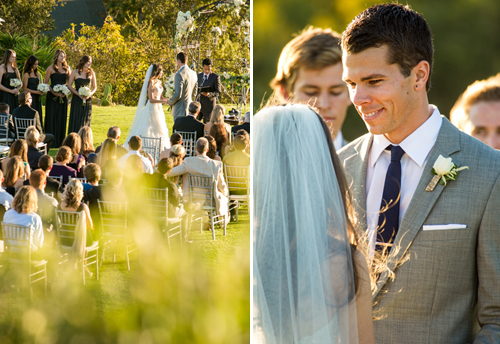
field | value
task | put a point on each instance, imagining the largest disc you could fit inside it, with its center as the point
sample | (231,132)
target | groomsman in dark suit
(208,100)
(25,111)
(190,123)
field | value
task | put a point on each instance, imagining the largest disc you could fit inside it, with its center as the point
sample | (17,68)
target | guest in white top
(23,214)
(5,197)
(135,144)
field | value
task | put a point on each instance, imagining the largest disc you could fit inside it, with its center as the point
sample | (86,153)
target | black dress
(56,113)
(80,115)
(36,98)
(9,98)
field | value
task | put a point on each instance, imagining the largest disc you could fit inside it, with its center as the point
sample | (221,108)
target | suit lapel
(422,202)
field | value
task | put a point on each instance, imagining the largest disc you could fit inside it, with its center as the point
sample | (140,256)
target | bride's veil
(303,284)
(142,104)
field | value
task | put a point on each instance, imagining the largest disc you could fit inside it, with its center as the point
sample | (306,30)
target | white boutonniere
(444,169)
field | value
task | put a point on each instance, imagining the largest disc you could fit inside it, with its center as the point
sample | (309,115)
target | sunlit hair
(74,142)
(480,91)
(29,65)
(155,73)
(37,178)
(26,200)
(108,151)
(54,61)
(219,133)
(177,153)
(32,136)
(23,97)
(45,162)
(404,31)
(83,60)
(114,132)
(92,172)
(73,193)
(19,148)
(15,171)
(312,49)
(63,154)
(201,145)
(87,139)
(175,139)
(212,147)
(217,115)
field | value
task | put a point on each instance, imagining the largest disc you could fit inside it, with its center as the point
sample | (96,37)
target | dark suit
(25,111)
(91,196)
(208,103)
(245,126)
(189,123)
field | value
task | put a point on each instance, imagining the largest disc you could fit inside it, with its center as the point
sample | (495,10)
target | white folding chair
(17,254)
(157,203)
(4,130)
(238,183)
(21,125)
(152,145)
(83,180)
(66,233)
(114,229)
(188,141)
(201,190)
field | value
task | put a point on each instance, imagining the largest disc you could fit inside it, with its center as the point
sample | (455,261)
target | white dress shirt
(148,168)
(417,147)
(6,199)
(339,141)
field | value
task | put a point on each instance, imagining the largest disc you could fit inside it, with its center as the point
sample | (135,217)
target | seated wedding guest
(246,138)
(25,111)
(245,126)
(23,213)
(14,173)
(32,139)
(87,138)
(310,71)
(190,123)
(61,168)
(72,201)
(114,134)
(177,154)
(5,197)
(477,111)
(175,139)
(135,145)
(113,190)
(219,133)
(46,203)
(238,157)
(92,174)
(52,186)
(92,192)
(20,149)
(212,148)
(74,142)
(217,116)
(4,111)
(107,158)
(202,164)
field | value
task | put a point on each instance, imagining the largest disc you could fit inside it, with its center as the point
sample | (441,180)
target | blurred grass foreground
(194,293)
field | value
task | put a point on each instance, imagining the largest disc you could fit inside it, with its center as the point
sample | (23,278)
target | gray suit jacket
(447,282)
(186,81)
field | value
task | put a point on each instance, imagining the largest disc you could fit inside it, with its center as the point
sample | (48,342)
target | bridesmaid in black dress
(9,71)
(31,80)
(56,113)
(80,114)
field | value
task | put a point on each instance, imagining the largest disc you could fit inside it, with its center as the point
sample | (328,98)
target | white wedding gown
(149,118)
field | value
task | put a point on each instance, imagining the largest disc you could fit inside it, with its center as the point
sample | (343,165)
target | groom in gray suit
(441,281)
(185,84)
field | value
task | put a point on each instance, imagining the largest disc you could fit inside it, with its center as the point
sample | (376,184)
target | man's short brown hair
(194,108)
(313,49)
(114,132)
(135,142)
(480,91)
(45,162)
(92,172)
(37,178)
(23,96)
(4,108)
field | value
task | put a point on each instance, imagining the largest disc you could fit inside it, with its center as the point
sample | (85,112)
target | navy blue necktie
(388,220)
(205,77)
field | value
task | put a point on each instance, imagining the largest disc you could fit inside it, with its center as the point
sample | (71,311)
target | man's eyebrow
(369,77)
(315,86)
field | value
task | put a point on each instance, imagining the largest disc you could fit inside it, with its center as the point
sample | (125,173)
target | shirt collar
(339,141)
(417,145)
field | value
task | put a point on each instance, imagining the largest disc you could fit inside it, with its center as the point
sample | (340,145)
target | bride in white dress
(149,117)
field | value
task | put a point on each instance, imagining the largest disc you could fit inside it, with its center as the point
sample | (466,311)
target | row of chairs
(154,145)
(21,125)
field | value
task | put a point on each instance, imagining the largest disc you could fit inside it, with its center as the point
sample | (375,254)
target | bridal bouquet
(62,88)
(15,82)
(170,86)
(44,88)
(84,92)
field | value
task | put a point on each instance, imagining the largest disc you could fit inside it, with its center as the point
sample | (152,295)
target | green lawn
(199,293)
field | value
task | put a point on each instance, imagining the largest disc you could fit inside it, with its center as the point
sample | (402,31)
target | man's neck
(419,117)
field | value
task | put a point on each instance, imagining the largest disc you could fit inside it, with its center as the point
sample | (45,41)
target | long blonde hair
(73,193)
(26,200)
(15,170)
(87,137)
(217,115)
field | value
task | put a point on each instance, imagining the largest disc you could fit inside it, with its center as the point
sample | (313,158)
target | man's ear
(283,93)
(421,74)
